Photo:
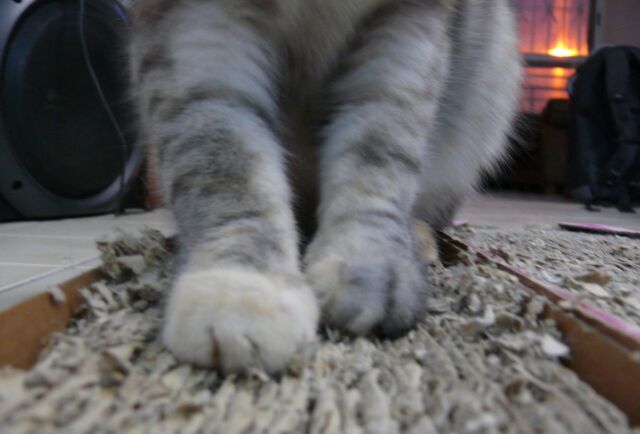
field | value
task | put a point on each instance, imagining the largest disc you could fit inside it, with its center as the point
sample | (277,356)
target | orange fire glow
(555,28)
(558,30)
(561,51)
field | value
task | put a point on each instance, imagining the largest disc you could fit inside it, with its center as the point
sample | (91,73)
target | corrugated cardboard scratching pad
(478,362)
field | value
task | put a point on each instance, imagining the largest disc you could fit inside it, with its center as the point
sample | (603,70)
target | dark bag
(604,151)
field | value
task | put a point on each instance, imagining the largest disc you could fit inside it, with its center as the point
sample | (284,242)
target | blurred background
(68,145)
(557,37)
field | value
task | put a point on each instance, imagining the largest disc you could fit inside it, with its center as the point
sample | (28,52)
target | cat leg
(362,263)
(476,111)
(204,72)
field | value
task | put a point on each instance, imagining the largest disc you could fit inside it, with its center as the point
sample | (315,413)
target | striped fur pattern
(355,115)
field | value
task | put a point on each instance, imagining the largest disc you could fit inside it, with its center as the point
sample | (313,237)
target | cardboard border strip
(25,329)
(627,335)
(604,348)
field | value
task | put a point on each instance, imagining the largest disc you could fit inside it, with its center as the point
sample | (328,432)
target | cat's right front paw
(234,319)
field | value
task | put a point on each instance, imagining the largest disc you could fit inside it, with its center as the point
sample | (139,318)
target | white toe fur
(233,319)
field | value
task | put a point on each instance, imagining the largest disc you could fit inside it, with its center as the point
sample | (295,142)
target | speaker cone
(63,145)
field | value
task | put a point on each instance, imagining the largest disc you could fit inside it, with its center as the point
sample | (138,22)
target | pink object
(459,223)
(600,229)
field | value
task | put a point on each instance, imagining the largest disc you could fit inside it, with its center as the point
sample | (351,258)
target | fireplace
(554,41)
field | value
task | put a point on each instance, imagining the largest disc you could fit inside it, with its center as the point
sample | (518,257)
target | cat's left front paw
(366,287)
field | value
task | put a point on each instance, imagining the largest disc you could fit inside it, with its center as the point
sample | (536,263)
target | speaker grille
(54,117)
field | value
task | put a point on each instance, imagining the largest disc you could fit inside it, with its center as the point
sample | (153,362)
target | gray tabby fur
(371,111)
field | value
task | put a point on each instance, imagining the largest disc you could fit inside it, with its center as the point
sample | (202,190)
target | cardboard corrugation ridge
(25,329)
(604,348)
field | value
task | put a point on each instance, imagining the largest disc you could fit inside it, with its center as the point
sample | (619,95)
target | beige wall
(617,22)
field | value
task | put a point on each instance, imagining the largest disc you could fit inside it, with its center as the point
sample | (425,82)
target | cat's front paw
(367,289)
(234,319)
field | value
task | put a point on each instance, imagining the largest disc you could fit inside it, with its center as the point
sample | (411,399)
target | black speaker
(60,152)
